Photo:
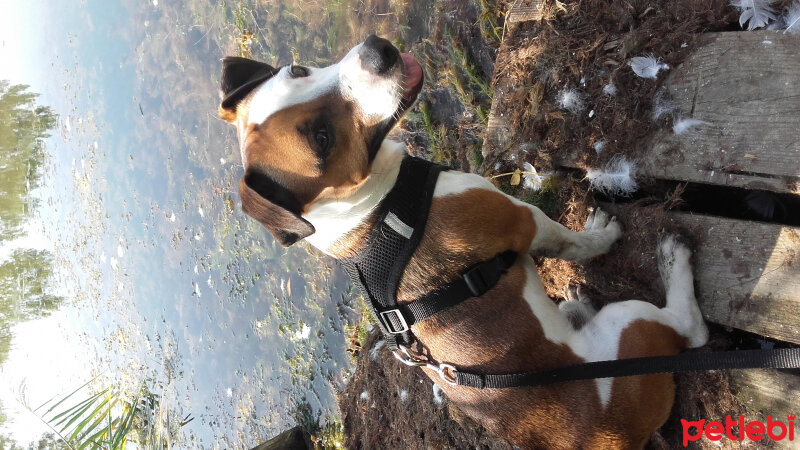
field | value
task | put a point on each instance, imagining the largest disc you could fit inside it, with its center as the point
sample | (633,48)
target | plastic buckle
(389,324)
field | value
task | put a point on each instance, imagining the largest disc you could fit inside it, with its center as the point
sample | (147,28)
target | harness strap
(787,358)
(398,229)
(474,282)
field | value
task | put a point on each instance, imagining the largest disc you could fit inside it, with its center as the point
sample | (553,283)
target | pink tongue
(413,72)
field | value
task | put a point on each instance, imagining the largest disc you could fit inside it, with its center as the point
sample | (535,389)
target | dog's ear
(275,207)
(239,77)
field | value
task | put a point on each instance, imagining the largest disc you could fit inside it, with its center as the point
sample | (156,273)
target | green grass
(476,156)
(437,134)
(483,114)
(472,87)
(546,198)
(461,59)
(507,188)
(324,436)
(488,22)
(363,334)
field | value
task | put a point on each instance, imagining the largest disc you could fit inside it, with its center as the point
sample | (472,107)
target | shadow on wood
(294,439)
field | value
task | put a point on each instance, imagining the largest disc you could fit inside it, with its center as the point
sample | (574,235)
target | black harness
(398,229)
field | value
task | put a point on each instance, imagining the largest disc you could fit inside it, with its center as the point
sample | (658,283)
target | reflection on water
(167,281)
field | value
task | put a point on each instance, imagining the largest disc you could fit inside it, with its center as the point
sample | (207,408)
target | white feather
(373,353)
(438,396)
(663,105)
(533,180)
(610,90)
(683,125)
(617,179)
(756,13)
(599,146)
(571,100)
(647,66)
(792,18)
(775,26)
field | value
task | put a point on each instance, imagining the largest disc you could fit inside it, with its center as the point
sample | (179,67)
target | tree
(23,128)
(23,276)
(23,291)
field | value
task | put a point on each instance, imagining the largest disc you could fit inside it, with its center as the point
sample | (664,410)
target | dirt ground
(583,45)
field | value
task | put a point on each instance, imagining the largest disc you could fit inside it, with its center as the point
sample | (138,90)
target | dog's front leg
(555,240)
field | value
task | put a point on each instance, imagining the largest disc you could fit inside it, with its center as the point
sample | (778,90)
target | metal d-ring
(448,373)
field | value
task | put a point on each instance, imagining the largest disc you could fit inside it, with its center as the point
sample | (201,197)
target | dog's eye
(322,140)
(298,71)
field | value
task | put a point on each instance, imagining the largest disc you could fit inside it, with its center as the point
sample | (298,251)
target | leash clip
(447,372)
(407,358)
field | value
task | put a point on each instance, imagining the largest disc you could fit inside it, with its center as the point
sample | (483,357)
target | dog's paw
(577,307)
(574,293)
(671,251)
(600,222)
(674,265)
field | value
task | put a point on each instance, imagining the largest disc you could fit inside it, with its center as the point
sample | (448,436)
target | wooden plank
(747,274)
(768,390)
(498,131)
(523,13)
(746,85)
(773,393)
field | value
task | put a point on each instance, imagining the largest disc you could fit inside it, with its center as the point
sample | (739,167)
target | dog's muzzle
(378,56)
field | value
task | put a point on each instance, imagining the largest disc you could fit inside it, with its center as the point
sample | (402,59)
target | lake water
(164,279)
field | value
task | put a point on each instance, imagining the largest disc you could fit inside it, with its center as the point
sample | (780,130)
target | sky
(18,42)
(48,346)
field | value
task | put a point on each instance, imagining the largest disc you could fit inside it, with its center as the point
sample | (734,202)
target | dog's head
(307,134)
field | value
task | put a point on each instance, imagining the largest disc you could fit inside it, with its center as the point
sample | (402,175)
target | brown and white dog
(317,164)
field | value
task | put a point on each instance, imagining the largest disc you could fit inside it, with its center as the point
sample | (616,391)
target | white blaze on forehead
(376,96)
(282,91)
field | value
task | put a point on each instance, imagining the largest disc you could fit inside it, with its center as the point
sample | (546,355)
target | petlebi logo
(738,429)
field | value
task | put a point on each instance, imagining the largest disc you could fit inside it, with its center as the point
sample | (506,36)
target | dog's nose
(378,55)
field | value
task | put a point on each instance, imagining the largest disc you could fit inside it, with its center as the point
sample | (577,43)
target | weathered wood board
(768,390)
(498,132)
(747,274)
(774,392)
(746,86)
(520,12)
